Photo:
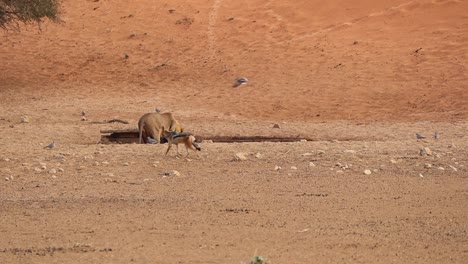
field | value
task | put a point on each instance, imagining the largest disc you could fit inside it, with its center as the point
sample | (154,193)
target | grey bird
(51,145)
(419,136)
(436,136)
(240,81)
(150,140)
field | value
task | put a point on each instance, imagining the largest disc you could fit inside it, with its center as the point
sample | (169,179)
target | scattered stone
(109,180)
(307,154)
(54,177)
(293,168)
(171,173)
(24,164)
(53,171)
(425,152)
(427,165)
(36,169)
(393,161)
(6,159)
(321,152)
(207,141)
(43,167)
(258,155)
(99,152)
(420,175)
(83,118)
(277,168)
(276,126)
(375,170)
(367,172)
(110,174)
(311,164)
(24,119)
(240,157)
(125,164)
(441,168)
(105,163)
(88,157)
(96,163)
(7,179)
(61,170)
(453,168)
(349,151)
(42,164)
(155,165)
(303,140)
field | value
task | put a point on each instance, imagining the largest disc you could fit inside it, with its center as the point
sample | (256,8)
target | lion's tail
(140,132)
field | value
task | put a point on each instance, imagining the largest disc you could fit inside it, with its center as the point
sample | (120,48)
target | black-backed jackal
(186,138)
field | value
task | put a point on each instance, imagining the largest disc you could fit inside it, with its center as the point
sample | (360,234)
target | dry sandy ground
(359,78)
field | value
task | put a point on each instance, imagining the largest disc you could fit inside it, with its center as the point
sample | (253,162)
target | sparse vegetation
(13,12)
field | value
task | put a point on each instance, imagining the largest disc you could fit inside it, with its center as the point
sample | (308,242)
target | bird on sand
(51,145)
(436,136)
(240,81)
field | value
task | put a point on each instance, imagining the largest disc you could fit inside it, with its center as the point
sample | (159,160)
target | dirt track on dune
(356,78)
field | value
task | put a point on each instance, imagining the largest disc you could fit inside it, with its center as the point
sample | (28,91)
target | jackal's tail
(195,144)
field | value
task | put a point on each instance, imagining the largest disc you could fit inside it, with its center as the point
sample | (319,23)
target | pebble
(349,151)
(307,154)
(240,157)
(427,165)
(303,140)
(125,164)
(311,164)
(87,157)
(7,179)
(393,161)
(53,171)
(420,175)
(36,169)
(43,167)
(276,126)
(207,141)
(6,159)
(96,163)
(339,171)
(24,119)
(453,168)
(441,168)
(367,172)
(54,177)
(258,155)
(174,173)
(277,168)
(425,152)
(293,168)
(61,170)
(105,163)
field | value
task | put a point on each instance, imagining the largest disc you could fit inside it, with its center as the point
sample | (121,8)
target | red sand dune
(306,60)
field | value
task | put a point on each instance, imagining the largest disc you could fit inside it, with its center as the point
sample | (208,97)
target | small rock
(83,118)
(367,172)
(339,171)
(427,165)
(61,170)
(175,173)
(99,152)
(240,157)
(105,163)
(54,177)
(303,140)
(96,163)
(36,169)
(276,126)
(125,164)
(7,179)
(453,168)
(24,119)
(277,168)
(293,168)
(307,154)
(425,152)
(207,141)
(441,168)
(155,165)
(420,175)
(110,174)
(6,159)
(88,157)
(311,164)
(258,155)
(393,161)
(52,171)
(42,164)
(43,167)
(349,151)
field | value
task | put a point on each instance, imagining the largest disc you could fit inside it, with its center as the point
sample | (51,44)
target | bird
(83,116)
(239,82)
(436,136)
(419,136)
(51,145)
(151,140)
(157,110)
(126,56)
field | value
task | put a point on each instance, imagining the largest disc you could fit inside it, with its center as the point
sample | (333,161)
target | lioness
(150,125)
